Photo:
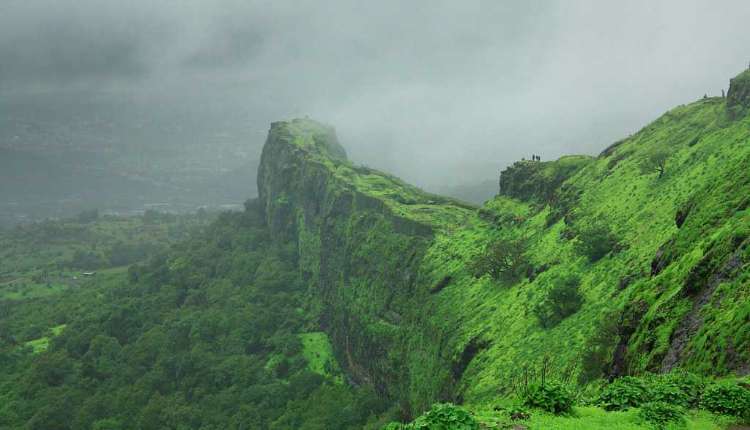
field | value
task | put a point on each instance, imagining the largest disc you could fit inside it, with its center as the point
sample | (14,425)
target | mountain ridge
(394,269)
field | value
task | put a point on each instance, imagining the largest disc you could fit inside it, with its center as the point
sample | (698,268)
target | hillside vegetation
(212,334)
(591,292)
(634,261)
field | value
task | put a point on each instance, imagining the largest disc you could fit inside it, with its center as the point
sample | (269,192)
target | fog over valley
(170,101)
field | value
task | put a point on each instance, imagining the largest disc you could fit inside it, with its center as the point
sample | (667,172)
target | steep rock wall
(360,256)
(392,269)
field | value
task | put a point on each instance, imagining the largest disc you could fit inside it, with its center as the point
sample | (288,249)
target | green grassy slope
(708,172)
(392,268)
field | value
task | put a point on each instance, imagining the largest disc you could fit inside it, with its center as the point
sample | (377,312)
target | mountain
(415,303)
(344,297)
(632,261)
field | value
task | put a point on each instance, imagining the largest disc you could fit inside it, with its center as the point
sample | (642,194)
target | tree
(563,300)
(501,259)
(655,160)
(596,240)
(88,216)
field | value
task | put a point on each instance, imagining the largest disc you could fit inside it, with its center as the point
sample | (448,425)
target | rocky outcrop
(358,253)
(537,180)
(389,266)
(738,97)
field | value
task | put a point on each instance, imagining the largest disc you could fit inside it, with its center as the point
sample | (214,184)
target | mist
(442,94)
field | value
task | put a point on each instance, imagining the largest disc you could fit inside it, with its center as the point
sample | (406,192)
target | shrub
(661,413)
(563,299)
(666,391)
(599,348)
(445,416)
(727,398)
(86,260)
(562,202)
(551,397)
(624,393)
(596,241)
(678,387)
(517,413)
(501,259)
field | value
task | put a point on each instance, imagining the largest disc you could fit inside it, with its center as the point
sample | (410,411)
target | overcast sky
(438,92)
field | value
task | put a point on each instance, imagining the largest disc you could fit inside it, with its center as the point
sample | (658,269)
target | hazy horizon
(439,93)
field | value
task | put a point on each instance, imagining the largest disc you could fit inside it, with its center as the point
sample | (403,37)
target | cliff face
(738,96)
(407,284)
(361,236)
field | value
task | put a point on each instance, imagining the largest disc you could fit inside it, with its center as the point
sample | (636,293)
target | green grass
(30,290)
(641,210)
(593,418)
(317,350)
(36,260)
(40,345)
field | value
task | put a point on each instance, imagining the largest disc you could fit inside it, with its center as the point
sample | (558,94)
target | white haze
(438,92)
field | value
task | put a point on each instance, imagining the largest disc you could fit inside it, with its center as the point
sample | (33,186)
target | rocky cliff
(362,235)
(430,299)
(738,97)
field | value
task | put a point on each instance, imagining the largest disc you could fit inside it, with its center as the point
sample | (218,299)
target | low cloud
(438,91)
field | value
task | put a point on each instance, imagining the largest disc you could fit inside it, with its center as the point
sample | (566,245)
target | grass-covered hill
(634,261)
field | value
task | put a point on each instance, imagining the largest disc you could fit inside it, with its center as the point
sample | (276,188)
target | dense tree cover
(205,336)
(91,241)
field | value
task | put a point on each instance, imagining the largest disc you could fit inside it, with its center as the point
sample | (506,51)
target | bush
(445,416)
(86,260)
(596,241)
(623,393)
(661,413)
(679,387)
(501,259)
(562,301)
(517,413)
(599,347)
(123,254)
(727,398)
(667,392)
(551,397)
